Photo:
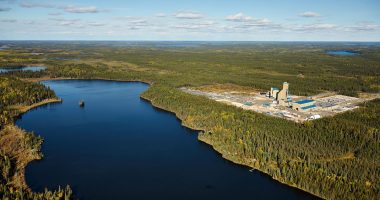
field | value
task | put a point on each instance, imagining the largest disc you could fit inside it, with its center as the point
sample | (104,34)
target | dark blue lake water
(27,68)
(342,53)
(120,147)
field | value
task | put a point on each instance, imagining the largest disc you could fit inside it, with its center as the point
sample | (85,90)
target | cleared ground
(327,104)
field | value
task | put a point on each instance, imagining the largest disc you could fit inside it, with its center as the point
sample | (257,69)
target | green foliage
(335,158)
(13,91)
(307,68)
(7,191)
(16,92)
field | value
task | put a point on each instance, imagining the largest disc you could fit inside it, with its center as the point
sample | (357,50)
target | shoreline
(24,109)
(12,136)
(224,156)
(26,156)
(35,80)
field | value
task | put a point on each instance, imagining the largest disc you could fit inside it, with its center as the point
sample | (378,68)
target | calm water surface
(342,53)
(120,147)
(27,68)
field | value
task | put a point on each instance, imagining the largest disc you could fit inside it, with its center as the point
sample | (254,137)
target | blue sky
(270,20)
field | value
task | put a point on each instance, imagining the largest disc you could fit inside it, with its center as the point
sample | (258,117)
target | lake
(120,147)
(63,59)
(342,53)
(22,68)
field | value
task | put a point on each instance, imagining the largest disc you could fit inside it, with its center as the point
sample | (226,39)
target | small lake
(342,53)
(26,68)
(120,147)
(63,59)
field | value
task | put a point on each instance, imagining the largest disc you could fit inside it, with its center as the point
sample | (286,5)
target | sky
(195,20)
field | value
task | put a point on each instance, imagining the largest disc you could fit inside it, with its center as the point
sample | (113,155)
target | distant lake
(120,147)
(27,68)
(342,53)
(63,59)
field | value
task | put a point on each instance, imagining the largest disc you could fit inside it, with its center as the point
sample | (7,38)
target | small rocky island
(81,103)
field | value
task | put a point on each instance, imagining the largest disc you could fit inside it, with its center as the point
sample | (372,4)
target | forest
(18,147)
(334,158)
(13,91)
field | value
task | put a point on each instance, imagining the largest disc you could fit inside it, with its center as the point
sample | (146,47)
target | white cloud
(65,22)
(95,24)
(239,17)
(363,27)
(248,22)
(160,15)
(323,26)
(80,9)
(208,23)
(59,19)
(135,21)
(258,22)
(78,23)
(67,8)
(139,22)
(195,26)
(314,27)
(188,15)
(25,4)
(309,14)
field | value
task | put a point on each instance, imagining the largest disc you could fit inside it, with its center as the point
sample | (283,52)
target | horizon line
(89,40)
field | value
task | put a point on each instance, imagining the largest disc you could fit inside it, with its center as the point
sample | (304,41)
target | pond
(22,68)
(63,59)
(342,53)
(118,146)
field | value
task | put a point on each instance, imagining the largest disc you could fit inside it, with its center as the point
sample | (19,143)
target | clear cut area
(281,103)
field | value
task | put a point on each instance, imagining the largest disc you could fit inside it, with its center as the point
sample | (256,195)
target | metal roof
(307,107)
(304,101)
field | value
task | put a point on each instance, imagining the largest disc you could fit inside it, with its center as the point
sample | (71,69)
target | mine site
(280,103)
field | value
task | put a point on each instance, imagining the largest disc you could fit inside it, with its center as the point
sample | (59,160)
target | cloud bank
(188,15)
(80,9)
(309,14)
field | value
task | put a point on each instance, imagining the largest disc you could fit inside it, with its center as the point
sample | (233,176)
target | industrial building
(303,105)
(282,98)
(279,103)
(274,92)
